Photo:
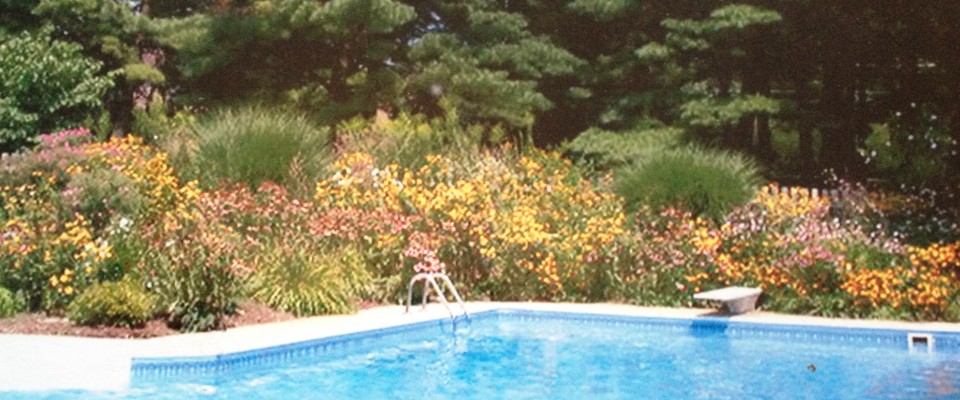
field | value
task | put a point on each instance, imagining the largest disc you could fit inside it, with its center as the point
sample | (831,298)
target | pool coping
(38,362)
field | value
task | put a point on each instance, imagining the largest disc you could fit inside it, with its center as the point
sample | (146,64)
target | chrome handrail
(430,282)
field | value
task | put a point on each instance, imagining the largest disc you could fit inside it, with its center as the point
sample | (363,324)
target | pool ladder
(430,283)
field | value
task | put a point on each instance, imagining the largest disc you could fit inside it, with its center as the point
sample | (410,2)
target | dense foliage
(310,153)
(769,78)
(123,303)
(107,233)
(46,85)
(256,145)
(8,303)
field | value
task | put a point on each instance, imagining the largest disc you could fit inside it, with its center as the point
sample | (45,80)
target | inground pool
(519,354)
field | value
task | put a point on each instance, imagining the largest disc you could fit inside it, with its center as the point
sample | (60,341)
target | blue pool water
(536,355)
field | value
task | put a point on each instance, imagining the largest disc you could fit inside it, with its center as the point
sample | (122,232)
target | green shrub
(196,268)
(196,273)
(124,303)
(100,194)
(606,150)
(46,85)
(8,303)
(254,145)
(407,140)
(310,281)
(705,182)
(196,297)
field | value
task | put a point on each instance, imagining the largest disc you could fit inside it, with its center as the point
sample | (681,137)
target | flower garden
(109,232)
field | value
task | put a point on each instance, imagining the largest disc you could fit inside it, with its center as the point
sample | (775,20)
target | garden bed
(250,313)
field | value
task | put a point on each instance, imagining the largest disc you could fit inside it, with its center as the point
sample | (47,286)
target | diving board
(738,300)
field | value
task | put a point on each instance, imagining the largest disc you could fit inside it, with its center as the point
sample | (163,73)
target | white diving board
(738,300)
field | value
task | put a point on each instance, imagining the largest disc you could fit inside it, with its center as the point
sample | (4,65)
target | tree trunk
(729,134)
(764,145)
(955,135)
(337,85)
(765,150)
(808,161)
(839,107)
(741,137)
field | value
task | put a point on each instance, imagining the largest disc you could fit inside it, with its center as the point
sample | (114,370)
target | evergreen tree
(118,34)
(335,56)
(344,57)
(721,65)
(484,61)
(17,16)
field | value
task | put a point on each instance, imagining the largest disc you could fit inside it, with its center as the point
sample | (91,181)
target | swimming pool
(519,354)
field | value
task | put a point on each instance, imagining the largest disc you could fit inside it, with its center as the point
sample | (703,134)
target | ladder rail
(456,294)
(430,283)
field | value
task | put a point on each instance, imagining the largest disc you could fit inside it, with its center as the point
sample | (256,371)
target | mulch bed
(249,313)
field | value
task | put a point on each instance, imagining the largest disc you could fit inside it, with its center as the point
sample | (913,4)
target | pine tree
(483,61)
(340,58)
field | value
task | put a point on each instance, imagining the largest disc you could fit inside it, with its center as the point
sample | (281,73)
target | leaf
(143,72)
(603,10)
(654,52)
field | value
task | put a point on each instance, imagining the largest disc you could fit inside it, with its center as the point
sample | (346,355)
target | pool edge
(50,363)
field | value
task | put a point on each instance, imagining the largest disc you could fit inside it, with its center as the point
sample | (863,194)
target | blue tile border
(702,326)
(159,367)
(162,367)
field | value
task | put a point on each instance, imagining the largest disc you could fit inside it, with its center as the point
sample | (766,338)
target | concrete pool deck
(36,362)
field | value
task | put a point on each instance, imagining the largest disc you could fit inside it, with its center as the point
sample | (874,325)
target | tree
(327,55)
(339,58)
(46,85)
(16,16)
(484,61)
(617,89)
(722,70)
(727,70)
(896,61)
(119,34)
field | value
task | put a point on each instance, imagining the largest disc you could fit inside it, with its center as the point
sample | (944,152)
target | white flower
(124,224)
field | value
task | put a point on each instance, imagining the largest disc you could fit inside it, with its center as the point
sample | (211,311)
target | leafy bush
(705,182)
(664,255)
(306,280)
(408,140)
(508,225)
(62,203)
(46,85)
(806,259)
(125,303)
(922,217)
(101,194)
(9,305)
(53,155)
(45,257)
(253,145)
(195,267)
